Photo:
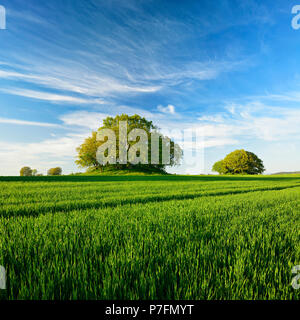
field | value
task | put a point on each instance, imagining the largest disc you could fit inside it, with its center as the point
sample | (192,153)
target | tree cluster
(88,150)
(28,172)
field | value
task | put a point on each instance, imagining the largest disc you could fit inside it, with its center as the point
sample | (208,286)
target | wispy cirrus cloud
(285,97)
(112,60)
(73,80)
(219,118)
(51,97)
(28,123)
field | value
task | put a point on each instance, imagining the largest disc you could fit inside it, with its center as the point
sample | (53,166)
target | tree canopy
(219,167)
(87,151)
(26,172)
(239,162)
(54,171)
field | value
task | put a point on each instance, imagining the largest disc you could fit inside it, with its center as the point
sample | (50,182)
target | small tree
(54,171)
(26,172)
(34,172)
(240,162)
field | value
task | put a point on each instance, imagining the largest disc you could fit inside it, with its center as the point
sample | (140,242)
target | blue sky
(228,68)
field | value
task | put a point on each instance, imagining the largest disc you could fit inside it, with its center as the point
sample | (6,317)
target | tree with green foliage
(239,162)
(26,172)
(87,151)
(54,171)
(219,167)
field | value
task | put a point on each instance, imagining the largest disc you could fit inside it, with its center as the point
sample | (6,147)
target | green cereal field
(142,237)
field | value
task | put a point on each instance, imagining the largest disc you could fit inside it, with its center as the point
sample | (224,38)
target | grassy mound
(133,171)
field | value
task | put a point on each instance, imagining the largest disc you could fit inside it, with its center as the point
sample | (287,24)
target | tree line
(28,172)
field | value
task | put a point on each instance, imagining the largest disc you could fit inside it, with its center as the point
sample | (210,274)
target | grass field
(160,237)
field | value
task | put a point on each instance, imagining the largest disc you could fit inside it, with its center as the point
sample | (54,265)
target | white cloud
(254,121)
(27,123)
(217,118)
(169,109)
(86,82)
(287,97)
(91,120)
(51,97)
